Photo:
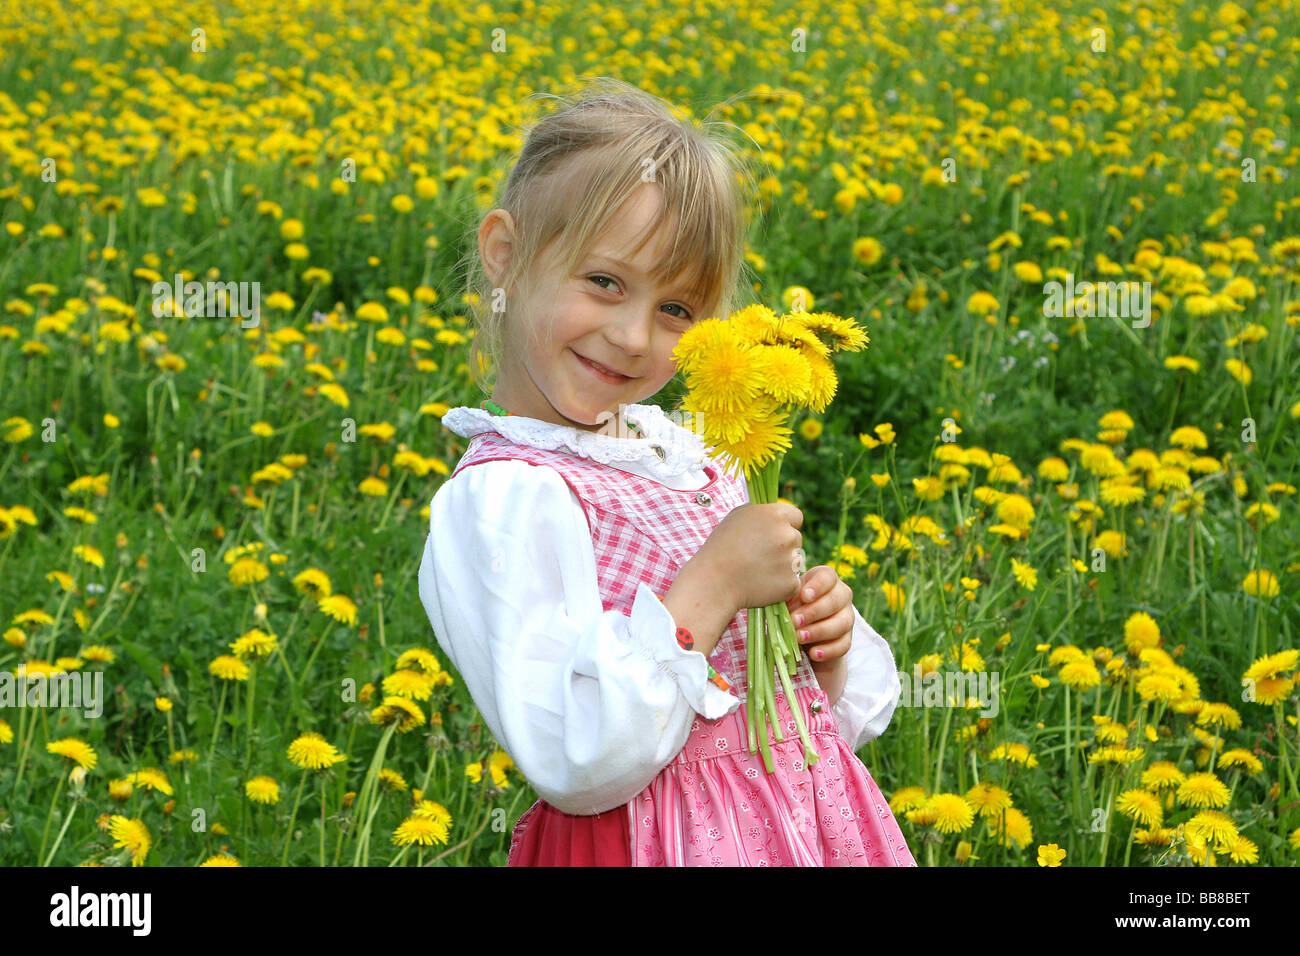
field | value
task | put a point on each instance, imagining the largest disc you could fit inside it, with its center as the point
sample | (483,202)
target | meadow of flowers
(224,519)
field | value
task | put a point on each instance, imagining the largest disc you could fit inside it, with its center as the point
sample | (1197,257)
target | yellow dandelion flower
(953,812)
(1212,826)
(400,711)
(1239,758)
(313,581)
(1025,574)
(1218,714)
(1162,775)
(1011,828)
(340,607)
(248,571)
(227,667)
(1203,790)
(76,750)
(1141,631)
(151,777)
(256,644)
(262,789)
(1238,370)
(311,751)
(422,658)
(982,303)
(335,393)
(1261,584)
(1141,806)
(988,799)
(424,831)
(413,684)
(131,834)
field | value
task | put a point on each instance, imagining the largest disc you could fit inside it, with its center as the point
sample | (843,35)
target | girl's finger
(816,583)
(823,609)
(826,629)
(828,651)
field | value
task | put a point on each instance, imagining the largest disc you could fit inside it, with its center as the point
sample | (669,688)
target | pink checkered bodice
(644,532)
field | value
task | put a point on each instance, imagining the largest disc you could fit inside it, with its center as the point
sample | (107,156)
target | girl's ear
(496,244)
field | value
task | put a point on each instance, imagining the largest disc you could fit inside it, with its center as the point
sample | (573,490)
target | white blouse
(589,704)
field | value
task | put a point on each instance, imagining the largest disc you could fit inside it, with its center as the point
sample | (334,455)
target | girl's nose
(631,333)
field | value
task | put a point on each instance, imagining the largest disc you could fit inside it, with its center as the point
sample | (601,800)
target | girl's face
(609,312)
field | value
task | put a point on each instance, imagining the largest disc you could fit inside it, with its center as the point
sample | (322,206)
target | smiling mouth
(603,370)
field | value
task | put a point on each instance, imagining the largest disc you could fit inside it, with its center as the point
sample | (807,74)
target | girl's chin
(601,420)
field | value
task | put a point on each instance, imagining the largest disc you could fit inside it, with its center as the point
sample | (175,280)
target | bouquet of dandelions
(745,376)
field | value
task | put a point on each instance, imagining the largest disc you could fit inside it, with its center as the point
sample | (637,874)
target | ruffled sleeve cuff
(871,688)
(653,628)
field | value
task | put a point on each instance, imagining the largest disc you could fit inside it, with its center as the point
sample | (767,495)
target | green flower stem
(1132,835)
(364,798)
(809,754)
(296,685)
(772,645)
(397,489)
(943,740)
(338,844)
(428,771)
(293,519)
(780,614)
(756,693)
(1105,833)
(58,788)
(759,690)
(751,708)
(1285,771)
(293,816)
(64,829)
(216,726)
(1069,759)
(248,730)
(322,821)
(24,741)
(363,847)
(772,715)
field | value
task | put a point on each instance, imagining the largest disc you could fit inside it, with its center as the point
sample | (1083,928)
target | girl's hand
(825,605)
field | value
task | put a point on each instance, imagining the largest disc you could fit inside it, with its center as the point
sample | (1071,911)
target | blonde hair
(577,168)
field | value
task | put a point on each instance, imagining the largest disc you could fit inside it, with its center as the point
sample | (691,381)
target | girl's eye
(686,313)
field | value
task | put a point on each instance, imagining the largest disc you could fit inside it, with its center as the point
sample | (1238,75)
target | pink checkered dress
(715,804)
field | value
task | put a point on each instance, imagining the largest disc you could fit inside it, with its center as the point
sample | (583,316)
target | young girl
(589,565)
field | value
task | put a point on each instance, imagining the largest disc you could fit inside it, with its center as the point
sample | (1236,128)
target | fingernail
(808,593)
(818,652)
(798,620)
(804,635)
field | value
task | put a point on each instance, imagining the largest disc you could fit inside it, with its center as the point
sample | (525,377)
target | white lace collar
(667,449)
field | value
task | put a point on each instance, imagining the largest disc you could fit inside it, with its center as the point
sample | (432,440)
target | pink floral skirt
(716,805)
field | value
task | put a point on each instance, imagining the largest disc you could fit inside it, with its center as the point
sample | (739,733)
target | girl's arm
(871,690)
(590,704)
